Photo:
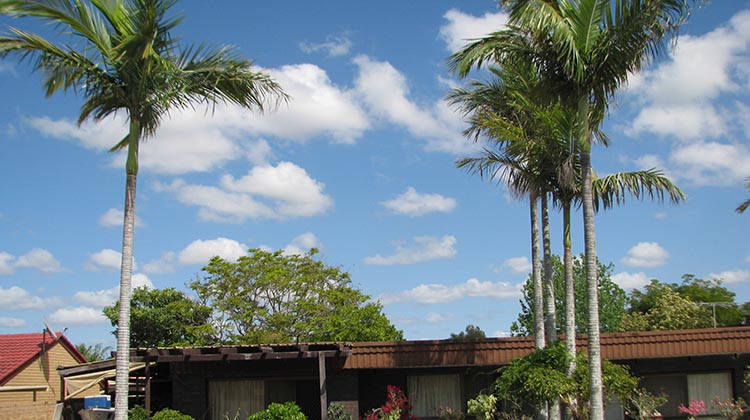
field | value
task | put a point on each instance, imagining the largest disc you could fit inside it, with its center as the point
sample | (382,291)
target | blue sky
(361,165)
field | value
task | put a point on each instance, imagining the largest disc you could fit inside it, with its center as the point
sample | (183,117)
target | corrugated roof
(17,350)
(501,351)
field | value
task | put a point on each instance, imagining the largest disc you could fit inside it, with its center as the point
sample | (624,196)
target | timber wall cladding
(26,410)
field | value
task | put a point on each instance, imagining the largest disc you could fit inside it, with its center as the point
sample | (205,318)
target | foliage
(643,405)
(448,413)
(731,409)
(611,299)
(278,411)
(94,353)
(482,407)
(274,297)
(138,413)
(396,407)
(669,311)
(169,414)
(336,412)
(694,409)
(540,377)
(164,317)
(471,331)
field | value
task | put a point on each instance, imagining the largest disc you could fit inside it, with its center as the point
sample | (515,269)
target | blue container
(100,401)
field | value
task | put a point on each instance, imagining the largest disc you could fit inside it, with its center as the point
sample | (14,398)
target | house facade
(29,381)
(214,382)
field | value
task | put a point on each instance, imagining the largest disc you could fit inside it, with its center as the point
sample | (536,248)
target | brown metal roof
(501,351)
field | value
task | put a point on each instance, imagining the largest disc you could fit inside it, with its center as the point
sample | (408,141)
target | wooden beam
(323,386)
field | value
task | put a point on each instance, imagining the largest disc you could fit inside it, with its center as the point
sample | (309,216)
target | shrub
(336,412)
(276,411)
(138,413)
(169,414)
(396,407)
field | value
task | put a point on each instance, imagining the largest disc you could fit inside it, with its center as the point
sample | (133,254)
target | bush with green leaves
(336,411)
(138,413)
(169,414)
(277,411)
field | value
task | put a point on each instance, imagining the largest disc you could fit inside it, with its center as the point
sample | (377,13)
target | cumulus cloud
(9,322)
(386,93)
(426,248)
(114,217)
(463,28)
(435,318)
(732,276)
(79,316)
(441,293)
(267,192)
(520,265)
(691,98)
(412,203)
(107,297)
(165,264)
(334,46)
(15,298)
(630,280)
(37,258)
(106,259)
(201,252)
(302,244)
(646,254)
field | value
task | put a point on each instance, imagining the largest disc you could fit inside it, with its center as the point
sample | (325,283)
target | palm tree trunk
(536,272)
(570,297)
(592,290)
(122,362)
(550,315)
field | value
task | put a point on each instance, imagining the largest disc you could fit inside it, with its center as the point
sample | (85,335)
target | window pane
(674,386)
(235,398)
(709,386)
(428,393)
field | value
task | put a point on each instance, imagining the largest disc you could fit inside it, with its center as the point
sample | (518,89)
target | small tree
(471,331)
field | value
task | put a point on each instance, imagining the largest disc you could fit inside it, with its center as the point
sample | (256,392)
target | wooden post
(147,389)
(323,386)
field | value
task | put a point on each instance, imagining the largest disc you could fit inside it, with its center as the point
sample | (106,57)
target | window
(709,386)
(681,389)
(429,393)
(237,398)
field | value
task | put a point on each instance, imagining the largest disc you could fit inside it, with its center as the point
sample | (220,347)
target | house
(29,382)
(211,382)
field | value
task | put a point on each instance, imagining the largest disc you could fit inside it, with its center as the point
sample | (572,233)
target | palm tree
(127,62)
(745,204)
(586,49)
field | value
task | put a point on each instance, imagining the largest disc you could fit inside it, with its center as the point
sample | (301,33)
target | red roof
(18,350)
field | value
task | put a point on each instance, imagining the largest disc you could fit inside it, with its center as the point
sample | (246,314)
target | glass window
(429,393)
(707,387)
(235,399)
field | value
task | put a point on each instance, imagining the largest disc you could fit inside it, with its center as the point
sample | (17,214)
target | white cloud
(9,322)
(41,259)
(630,280)
(412,203)
(334,46)
(386,92)
(732,276)
(462,28)
(7,263)
(165,264)
(201,252)
(440,293)
(79,316)
(106,259)
(302,244)
(114,217)
(14,298)
(711,163)
(427,248)
(520,265)
(266,192)
(646,254)
(107,297)
(435,318)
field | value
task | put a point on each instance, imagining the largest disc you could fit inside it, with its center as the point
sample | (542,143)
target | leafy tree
(274,297)
(471,331)
(671,311)
(611,304)
(164,318)
(94,353)
(121,56)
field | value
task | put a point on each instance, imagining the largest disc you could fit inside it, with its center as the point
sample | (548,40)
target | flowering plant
(731,409)
(644,405)
(396,407)
(694,409)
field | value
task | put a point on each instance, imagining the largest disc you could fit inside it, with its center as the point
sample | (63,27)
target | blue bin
(100,401)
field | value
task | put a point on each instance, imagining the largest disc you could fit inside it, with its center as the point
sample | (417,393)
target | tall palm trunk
(536,271)
(550,316)
(570,297)
(122,374)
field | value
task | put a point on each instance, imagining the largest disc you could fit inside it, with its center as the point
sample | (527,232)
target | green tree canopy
(471,331)
(611,301)
(274,297)
(164,317)
(95,352)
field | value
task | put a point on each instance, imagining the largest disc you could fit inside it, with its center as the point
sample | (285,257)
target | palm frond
(612,189)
